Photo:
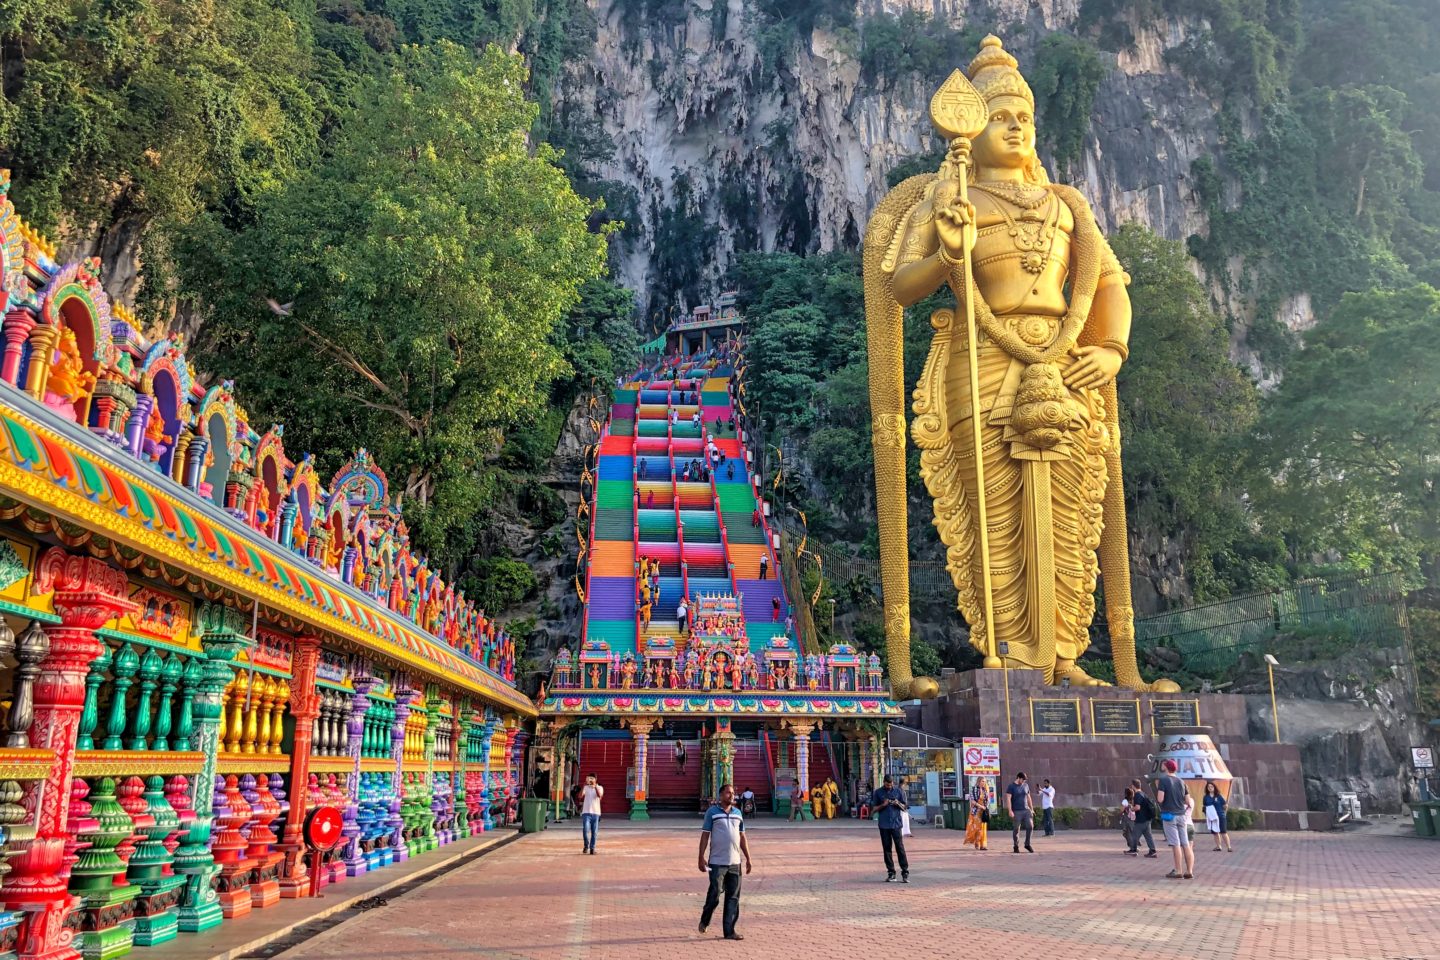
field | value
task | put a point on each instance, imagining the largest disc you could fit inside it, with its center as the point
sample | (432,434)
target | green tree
(430,259)
(1350,435)
(137,116)
(1068,71)
(1185,409)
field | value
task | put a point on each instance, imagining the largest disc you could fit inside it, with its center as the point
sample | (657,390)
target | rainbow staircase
(701,531)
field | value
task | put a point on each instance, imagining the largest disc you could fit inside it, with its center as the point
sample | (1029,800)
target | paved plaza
(818,892)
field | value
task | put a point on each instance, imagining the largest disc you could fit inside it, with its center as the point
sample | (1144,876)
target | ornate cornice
(41,467)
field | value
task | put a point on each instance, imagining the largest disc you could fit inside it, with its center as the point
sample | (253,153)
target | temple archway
(219,456)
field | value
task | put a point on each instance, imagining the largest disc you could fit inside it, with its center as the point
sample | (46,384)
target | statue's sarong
(1044,506)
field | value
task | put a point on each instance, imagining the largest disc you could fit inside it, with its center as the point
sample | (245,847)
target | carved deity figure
(69,380)
(1053,319)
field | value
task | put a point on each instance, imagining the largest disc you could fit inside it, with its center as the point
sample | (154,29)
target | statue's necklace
(1024,197)
(1034,233)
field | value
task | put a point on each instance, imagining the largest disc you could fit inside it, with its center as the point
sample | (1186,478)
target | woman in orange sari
(977,825)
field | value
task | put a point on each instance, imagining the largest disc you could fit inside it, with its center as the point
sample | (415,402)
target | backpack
(1144,809)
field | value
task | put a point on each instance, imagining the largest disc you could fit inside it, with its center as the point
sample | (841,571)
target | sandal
(1172,875)
(1189,876)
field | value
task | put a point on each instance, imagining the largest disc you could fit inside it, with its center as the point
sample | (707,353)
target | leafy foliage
(1185,412)
(394,223)
(1350,436)
(1068,71)
(912,42)
(149,111)
(500,582)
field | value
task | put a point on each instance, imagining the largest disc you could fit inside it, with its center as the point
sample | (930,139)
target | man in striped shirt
(723,836)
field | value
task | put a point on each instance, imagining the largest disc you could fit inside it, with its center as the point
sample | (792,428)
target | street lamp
(1270,664)
(832,615)
(1005,671)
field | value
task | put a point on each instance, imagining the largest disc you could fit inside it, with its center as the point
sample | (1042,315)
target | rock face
(1354,723)
(796,156)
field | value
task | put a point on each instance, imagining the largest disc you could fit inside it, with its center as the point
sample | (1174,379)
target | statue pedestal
(1091,741)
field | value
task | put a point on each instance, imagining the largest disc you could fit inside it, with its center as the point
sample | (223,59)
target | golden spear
(959,112)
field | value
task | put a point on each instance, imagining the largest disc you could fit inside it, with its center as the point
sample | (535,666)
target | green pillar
(222,636)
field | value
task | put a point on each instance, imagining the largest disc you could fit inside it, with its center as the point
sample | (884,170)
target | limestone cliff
(790,150)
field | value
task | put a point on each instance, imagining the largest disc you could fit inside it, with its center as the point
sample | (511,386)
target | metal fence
(1358,610)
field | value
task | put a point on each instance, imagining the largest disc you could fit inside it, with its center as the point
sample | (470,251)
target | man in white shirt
(724,837)
(590,795)
(1047,808)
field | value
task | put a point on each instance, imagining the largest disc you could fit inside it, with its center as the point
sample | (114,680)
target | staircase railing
(719,514)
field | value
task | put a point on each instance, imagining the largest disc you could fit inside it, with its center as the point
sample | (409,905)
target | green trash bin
(532,814)
(1424,814)
(954,812)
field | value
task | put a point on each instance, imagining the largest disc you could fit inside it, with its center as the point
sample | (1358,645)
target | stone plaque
(1055,718)
(1175,713)
(1115,718)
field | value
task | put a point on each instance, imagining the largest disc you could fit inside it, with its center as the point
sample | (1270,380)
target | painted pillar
(355,862)
(432,722)
(88,594)
(135,426)
(640,728)
(222,637)
(512,779)
(802,731)
(487,738)
(403,695)
(18,324)
(43,339)
(304,707)
(724,754)
(458,768)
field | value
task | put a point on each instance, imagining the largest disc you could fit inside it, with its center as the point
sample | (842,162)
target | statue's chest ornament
(1033,232)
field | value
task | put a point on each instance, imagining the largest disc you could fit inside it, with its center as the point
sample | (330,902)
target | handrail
(719,514)
(594,509)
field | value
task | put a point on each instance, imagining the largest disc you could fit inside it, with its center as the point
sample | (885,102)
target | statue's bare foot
(1070,670)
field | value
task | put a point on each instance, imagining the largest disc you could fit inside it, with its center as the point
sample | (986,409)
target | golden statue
(69,380)
(1040,371)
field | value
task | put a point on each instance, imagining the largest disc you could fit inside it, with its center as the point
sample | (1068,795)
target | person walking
(590,796)
(1047,808)
(1142,816)
(1215,806)
(890,804)
(1170,793)
(1127,816)
(979,819)
(723,836)
(682,616)
(764,566)
(774,609)
(1022,812)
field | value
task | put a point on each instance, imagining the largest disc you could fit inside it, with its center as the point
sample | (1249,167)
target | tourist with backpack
(1142,815)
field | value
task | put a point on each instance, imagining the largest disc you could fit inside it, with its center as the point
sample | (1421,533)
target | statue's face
(1008,140)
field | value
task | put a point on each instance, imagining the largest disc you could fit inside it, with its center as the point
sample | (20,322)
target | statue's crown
(996,73)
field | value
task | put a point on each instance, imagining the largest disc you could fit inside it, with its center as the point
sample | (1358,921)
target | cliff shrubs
(912,43)
(1068,71)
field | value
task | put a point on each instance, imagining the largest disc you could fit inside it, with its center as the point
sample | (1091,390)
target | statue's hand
(1092,366)
(955,225)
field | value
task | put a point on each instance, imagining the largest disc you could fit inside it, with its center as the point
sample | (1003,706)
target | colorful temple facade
(201,641)
(691,657)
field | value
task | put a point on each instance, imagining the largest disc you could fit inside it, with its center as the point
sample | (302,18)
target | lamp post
(832,616)
(1005,670)
(1270,663)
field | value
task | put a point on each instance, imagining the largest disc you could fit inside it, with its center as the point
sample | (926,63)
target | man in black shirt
(1144,812)
(1022,812)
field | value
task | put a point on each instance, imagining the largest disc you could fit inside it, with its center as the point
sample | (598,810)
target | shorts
(1175,833)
